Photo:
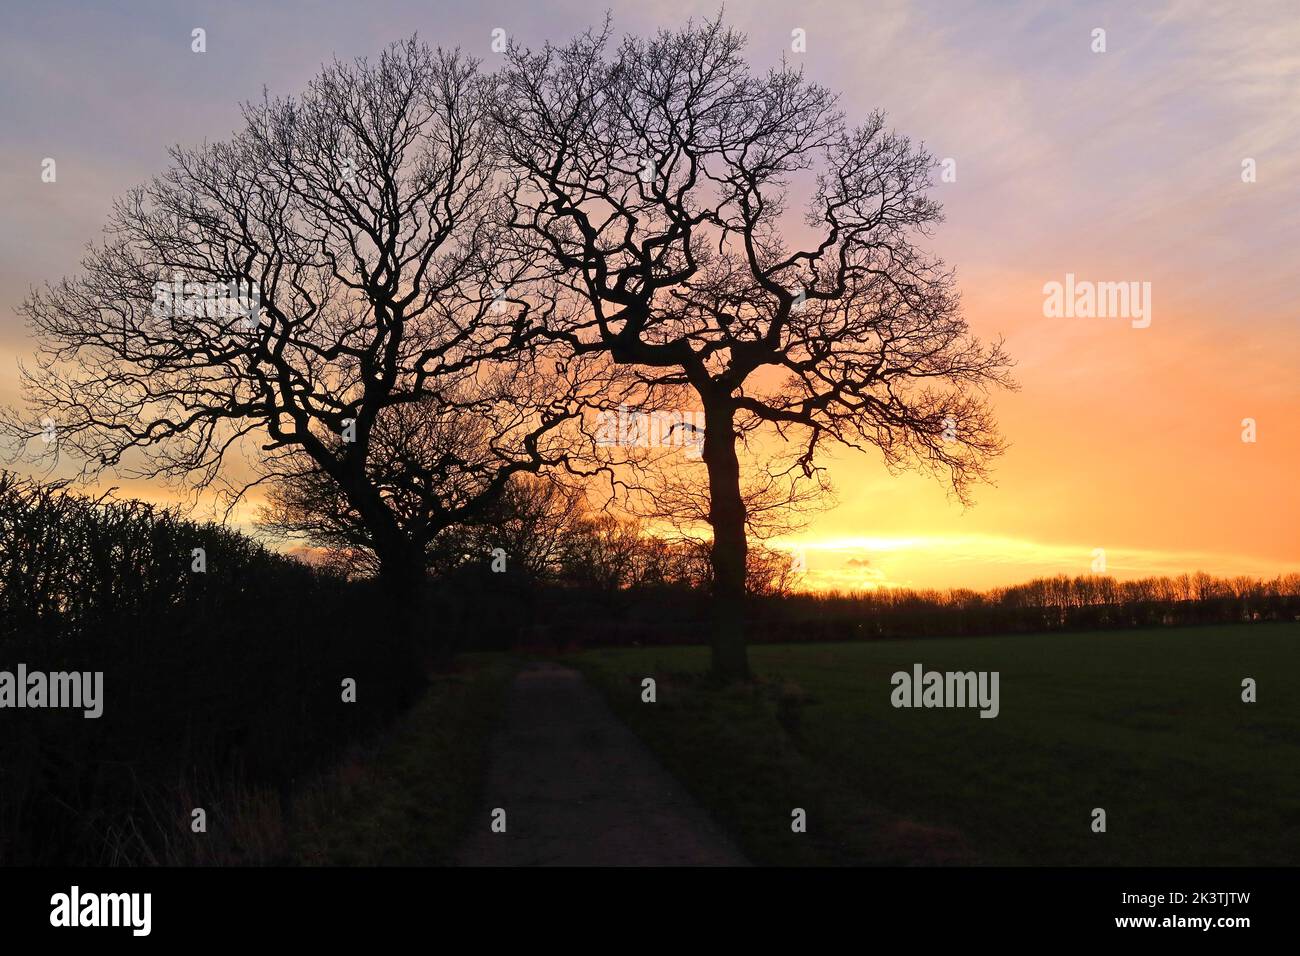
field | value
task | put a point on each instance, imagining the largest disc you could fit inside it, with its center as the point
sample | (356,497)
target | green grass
(1148,725)
(406,800)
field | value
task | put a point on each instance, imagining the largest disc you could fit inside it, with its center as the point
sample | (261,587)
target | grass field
(1148,725)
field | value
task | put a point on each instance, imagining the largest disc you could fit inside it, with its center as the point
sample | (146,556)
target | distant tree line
(668,611)
(1090,602)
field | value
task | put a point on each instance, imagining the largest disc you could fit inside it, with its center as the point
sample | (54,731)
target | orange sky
(1115,166)
(1123,439)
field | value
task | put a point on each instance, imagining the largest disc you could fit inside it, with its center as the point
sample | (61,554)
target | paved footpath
(579,789)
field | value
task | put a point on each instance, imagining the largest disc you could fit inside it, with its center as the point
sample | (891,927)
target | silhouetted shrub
(232,673)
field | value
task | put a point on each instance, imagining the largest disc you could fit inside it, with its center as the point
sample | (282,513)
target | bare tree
(356,224)
(441,474)
(655,177)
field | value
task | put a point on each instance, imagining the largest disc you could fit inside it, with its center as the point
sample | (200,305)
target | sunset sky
(1117,166)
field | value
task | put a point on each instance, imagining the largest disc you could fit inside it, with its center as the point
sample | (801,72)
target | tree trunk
(728,554)
(403,593)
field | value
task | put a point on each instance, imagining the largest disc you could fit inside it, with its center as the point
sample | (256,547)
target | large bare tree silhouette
(357,220)
(654,176)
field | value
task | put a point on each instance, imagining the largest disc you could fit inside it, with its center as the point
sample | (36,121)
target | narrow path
(579,789)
